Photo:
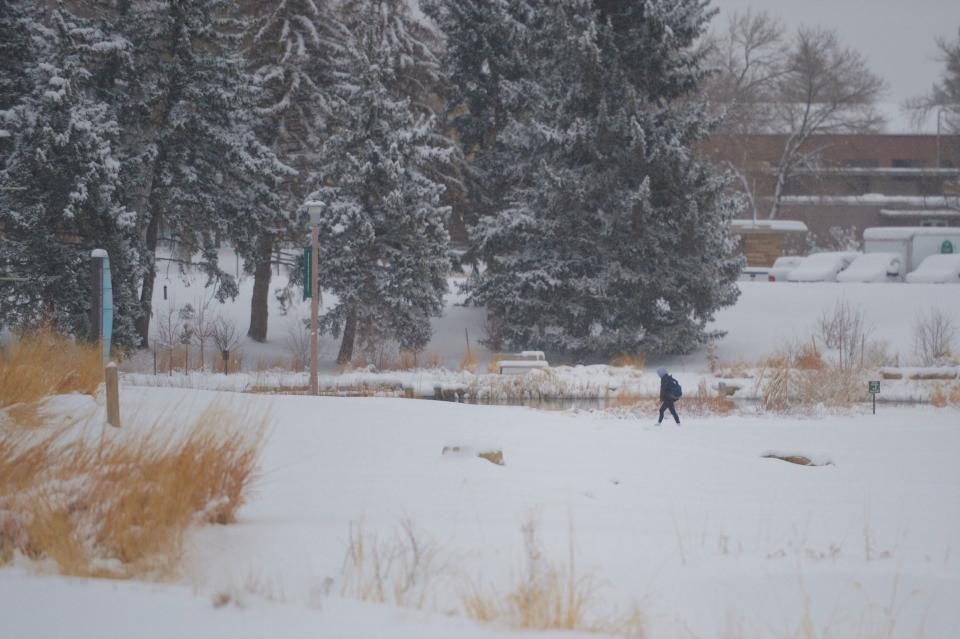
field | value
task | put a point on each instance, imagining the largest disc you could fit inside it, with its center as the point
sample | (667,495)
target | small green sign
(947,247)
(307,279)
(875,387)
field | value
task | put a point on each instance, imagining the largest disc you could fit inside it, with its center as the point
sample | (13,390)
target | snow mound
(937,269)
(873,267)
(822,267)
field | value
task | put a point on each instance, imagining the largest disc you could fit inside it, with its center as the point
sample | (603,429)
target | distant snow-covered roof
(784,226)
(920,212)
(906,232)
(874,199)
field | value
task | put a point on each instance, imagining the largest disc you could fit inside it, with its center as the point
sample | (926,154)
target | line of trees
(562,131)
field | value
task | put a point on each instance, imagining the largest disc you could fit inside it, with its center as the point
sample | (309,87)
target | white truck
(913,243)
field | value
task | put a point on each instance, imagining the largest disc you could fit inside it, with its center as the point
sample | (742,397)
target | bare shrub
(224,333)
(844,330)
(298,344)
(878,355)
(704,402)
(168,326)
(933,336)
(118,504)
(202,328)
(794,378)
(712,358)
(401,570)
(434,360)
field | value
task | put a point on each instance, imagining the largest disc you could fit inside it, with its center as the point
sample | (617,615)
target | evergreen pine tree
(295,49)
(383,239)
(488,83)
(617,239)
(62,179)
(200,173)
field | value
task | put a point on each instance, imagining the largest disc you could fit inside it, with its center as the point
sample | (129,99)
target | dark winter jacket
(665,395)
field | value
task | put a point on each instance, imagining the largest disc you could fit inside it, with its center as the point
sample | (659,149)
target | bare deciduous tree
(945,95)
(801,87)
(225,334)
(203,324)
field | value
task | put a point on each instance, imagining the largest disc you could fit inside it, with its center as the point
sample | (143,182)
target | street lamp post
(939,116)
(314,209)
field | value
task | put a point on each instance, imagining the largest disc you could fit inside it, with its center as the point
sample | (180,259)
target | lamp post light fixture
(314,210)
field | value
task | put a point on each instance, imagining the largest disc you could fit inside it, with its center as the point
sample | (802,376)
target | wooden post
(112,381)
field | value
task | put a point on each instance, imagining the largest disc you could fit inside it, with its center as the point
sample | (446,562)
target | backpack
(673,387)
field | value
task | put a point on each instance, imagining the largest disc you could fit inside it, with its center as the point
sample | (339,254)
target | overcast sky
(897,36)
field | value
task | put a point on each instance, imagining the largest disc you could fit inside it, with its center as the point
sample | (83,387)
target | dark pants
(668,405)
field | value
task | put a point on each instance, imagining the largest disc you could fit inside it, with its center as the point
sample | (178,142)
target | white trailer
(914,243)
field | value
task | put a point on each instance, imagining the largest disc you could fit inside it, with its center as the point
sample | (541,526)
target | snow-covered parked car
(782,266)
(874,267)
(822,267)
(937,269)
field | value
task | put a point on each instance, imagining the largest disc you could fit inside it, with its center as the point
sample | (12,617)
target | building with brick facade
(857,181)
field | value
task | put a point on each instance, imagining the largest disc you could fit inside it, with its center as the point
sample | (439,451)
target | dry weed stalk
(548,597)
(117,504)
(401,570)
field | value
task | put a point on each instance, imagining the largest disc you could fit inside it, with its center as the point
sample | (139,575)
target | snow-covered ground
(765,317)
(693,524)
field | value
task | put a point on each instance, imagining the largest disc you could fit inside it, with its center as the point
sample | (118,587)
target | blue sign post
(101,303)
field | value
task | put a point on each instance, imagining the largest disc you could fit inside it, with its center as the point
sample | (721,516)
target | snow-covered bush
(934,333)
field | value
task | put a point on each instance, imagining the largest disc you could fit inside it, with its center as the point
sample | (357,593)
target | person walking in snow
(669,393)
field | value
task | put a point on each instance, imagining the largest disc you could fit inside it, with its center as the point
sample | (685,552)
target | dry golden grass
(117,504)
(737,369)
(703,402)
(469,362)
(493,364)
(785,384)
(434,361)
(269,364)
(629,400)
(41,363)
(549,597)
(938,397)
(808,358)
(630,360)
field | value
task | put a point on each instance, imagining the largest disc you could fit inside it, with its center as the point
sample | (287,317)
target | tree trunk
(261,289)
(349,332)
(146,293)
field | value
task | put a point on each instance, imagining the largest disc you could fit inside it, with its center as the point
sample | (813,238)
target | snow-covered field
(693,525)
